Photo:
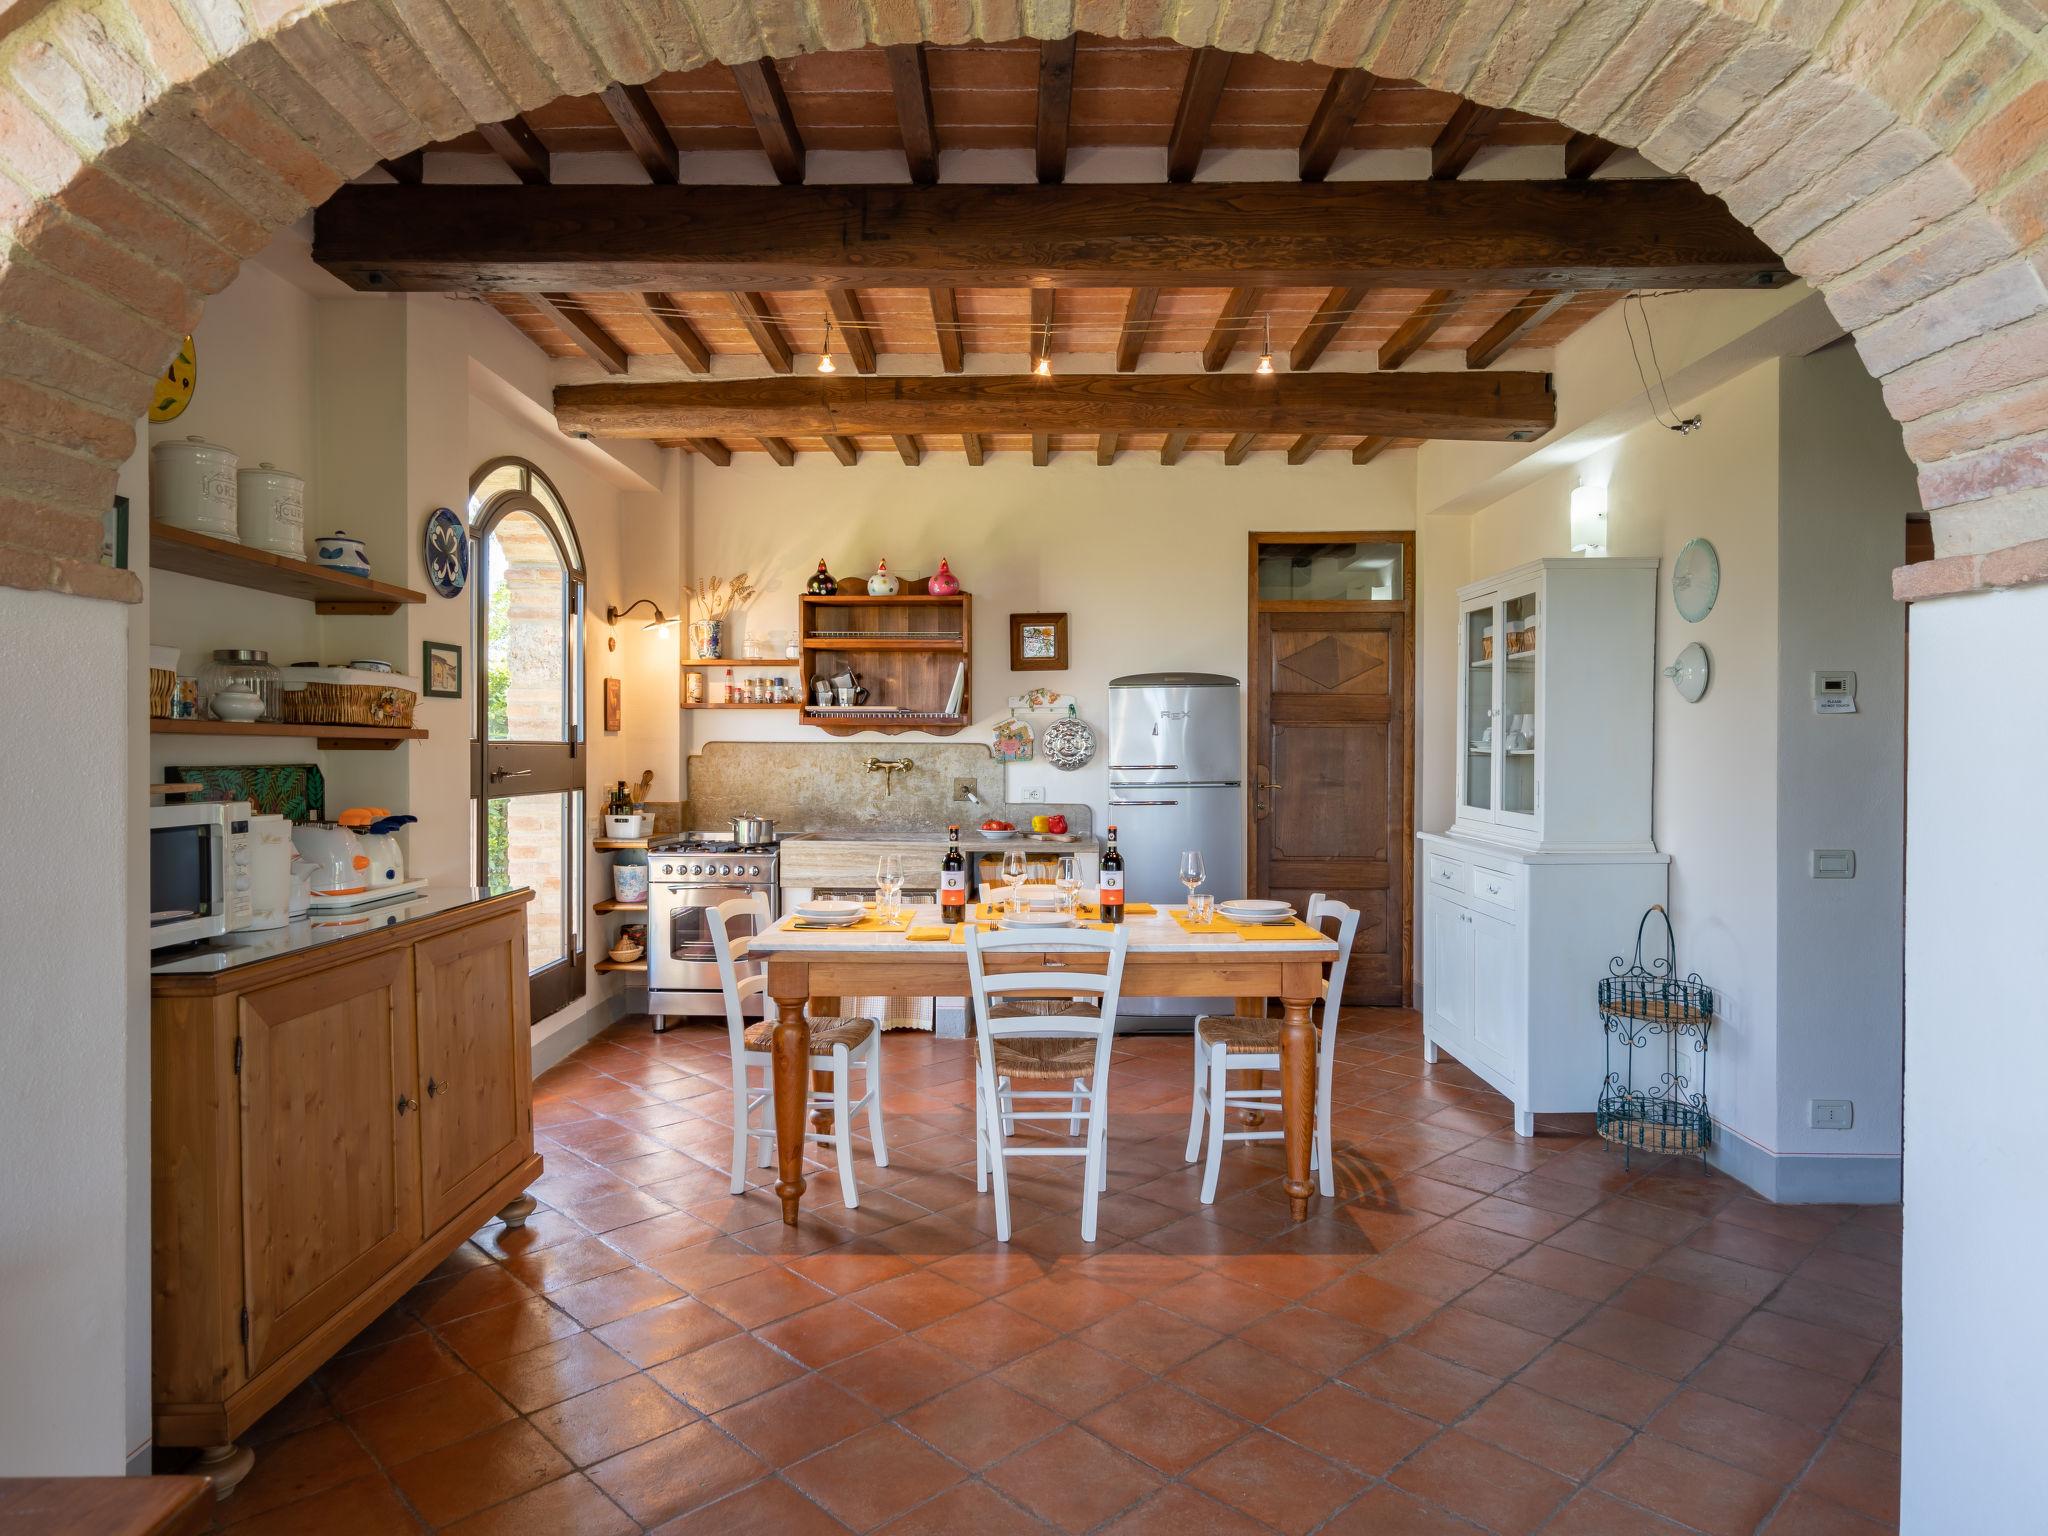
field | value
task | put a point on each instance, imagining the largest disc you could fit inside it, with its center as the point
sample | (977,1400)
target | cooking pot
(753,829)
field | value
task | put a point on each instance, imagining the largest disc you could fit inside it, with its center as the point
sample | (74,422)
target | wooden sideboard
(327,1126)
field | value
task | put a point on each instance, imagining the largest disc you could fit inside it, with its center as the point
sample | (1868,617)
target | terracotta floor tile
(1827,1350)
(1711,1272)
(1805,1515)
(1478,1343)
(1316,1341)
(1347,1426)
(1471,1478)
(1245,1380)
(1567,1440)
(367,1506)
(899,1373)
(1525,1304)
(1857,1476)
(1609,1244)
(1439,1274)
(707,1266)
(1681,1305)
(1420,1382)
(1073,1480)
(912,1300)
(357,1379)
(474,1290)
(611,1297)
(1373,1303)
(1803,1396)
(1733,1432)
(1595,1514)
(1178,1510)
(1214,1301)
(678,1472)
(1710,1495)
(1872,1418)
(325,1456)
(980,1423)
(566,1263)
(665,1331)
(824,1335)
(972,1508)
(1164,1427)
(794,1420)
(1069,1377)
(611,1419)
(459,1479)
(506,1331)
(844,1272)
(413,1423)
(1385,1510)
(730,1371)
(561,1369)
(1830,1306)
(1276,1481)
(1641,1341)
(572,1503)
(1149,1337)
(1500,1214)
(769,1508)
(874,1476)
(991,1270)
(987,1335)
(759,1298)
(1067,1302)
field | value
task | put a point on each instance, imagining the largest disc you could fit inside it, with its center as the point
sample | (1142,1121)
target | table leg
(1252,1008)
(1297,1097)
(792,1049)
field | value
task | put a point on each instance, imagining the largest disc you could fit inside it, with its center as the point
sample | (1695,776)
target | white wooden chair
(1224,1045)
(1062,1042)
(837,1046)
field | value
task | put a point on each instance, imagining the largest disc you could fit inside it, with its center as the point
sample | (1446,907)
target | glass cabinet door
(1517,725)
(1481,644)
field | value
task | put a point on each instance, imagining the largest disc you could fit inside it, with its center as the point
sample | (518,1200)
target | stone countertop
(321,928)
(969,840)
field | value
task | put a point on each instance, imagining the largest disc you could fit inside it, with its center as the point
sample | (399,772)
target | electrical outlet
(964,791)
(1031,794)
(1830,1114)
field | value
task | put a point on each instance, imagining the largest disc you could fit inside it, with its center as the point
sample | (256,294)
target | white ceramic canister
(192,486)
(271,510)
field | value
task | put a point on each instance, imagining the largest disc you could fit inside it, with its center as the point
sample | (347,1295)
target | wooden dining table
(814,968)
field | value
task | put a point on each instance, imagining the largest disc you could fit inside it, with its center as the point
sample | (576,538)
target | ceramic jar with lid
(192,486)
(271,510)
(236,672)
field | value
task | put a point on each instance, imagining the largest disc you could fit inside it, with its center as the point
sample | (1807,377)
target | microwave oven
(199,872)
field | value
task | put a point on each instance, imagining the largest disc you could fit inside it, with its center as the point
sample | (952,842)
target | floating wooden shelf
(330,592)
(606,967)
(615,844)
(785,704)
(329,738)
(887,643)
(740,661)
(857,600)
(620,906)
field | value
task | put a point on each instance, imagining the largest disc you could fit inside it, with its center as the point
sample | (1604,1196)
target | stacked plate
(829,914)
(1245,910)
(1036,919)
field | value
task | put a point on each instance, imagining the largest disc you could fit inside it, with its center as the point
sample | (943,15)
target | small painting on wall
(611,704)
(1038,642)
(440,669)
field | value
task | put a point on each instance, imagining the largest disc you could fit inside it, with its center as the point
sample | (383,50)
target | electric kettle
(338,853)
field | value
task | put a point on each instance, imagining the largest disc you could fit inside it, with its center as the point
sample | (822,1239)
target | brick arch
(1895,152)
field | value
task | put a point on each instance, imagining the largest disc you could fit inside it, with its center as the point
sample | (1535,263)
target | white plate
(800,921)
(1255,911)
(1037,920)
(825,910)
(997,837)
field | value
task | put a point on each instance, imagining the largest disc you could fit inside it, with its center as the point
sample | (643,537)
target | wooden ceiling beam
(632,109)
(1491,406)
(1106,446)
(1337,308)
(972,443)
(575,322)
(1055,106)
(1343,98)
(907,448)
(1173,447)
(778,450)
(1041,449)
(1299,451)
(1044,305)
(911,82)
(1521,317)
(1428,318)
(1585,153)
(759,319)
(853,326)
(946,325)
(1238,306)
(704,447)
(1623,233)
(408,170)
(844,449)
(676,332)
(514,142)
(760,89)
(1462,138)
(1130,341)
(1208,72)
(1369,449)
(1234,452)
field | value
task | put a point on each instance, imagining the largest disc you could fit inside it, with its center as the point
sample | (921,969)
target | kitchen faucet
(888,768)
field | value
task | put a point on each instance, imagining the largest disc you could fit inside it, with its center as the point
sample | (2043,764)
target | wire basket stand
(1645,1008)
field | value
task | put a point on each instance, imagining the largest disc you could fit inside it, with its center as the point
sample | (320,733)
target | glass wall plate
(1691,673)
(1695,580)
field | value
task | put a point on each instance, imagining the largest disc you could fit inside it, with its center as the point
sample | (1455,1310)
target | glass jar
(247,671)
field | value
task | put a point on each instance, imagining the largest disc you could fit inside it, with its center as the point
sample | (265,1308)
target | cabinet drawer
(1491,885)
(1445,874)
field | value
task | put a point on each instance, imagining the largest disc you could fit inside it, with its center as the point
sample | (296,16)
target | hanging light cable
(1266,353)
(825,363)
(1043,367)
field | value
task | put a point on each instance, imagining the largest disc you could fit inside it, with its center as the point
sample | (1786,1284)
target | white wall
(1977,841)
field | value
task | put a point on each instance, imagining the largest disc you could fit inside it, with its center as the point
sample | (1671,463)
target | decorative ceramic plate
(447,552)
(1691,673)
(1695,580)
(1067,744)
(174,390)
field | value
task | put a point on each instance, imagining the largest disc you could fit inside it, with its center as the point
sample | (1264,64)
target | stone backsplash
(827,788)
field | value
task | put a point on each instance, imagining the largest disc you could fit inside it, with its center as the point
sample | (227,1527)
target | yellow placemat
(933,935)
(1261,932)
(1088,909)
(865,925)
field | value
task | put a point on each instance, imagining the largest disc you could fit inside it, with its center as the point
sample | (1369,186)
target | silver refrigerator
(1176,749)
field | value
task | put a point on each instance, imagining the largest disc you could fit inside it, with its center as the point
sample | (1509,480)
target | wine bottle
(1112,883)
(953,881)
(821,583)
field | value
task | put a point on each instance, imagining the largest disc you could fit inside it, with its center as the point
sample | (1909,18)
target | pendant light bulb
(825,363)
(1266,355)
(1043,367)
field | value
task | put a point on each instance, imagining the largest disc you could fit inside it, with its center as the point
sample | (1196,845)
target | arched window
(528,775)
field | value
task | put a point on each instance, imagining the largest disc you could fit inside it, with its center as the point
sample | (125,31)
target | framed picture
(1038,642)
(114,535)
(440,669)
(611,703)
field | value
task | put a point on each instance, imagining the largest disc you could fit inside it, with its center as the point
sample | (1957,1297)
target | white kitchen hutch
(1549,862)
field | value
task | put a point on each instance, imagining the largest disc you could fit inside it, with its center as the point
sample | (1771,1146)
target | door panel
(1495,1019)
(474,1029)
(331,1195)
(1332,815)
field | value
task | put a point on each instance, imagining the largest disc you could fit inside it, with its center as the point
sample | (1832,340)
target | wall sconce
(613,615)
(1589,520)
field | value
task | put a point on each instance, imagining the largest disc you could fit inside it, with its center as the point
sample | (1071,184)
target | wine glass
(888,885)
(1014,867)
(1191,871)
(1067,877)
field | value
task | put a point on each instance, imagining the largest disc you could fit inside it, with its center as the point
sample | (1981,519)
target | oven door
(682,971)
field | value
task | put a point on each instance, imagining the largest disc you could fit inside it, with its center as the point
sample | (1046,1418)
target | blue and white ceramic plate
(447,553)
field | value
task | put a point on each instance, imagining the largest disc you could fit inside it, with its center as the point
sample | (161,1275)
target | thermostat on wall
(1834,693)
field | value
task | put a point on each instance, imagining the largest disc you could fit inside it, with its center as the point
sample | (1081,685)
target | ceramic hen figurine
(944,583)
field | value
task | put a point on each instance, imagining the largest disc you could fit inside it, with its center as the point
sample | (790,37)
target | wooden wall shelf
(616,844)
(785,704)
(620,906)
(606,967)
(330,592)
(329,738)
(739,661)
(906,649)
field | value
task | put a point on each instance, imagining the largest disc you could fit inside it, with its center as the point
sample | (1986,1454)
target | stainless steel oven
(686,875)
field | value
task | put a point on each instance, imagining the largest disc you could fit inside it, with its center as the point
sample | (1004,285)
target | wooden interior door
(1332,700)
(330,1164)
(475,1053)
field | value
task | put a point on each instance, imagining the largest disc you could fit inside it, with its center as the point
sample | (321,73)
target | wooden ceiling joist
(1130,340)
(972,443)
(676,332)
(1055,106)
(633,110)
(575,322)
(1462,138)
(1044,305)
(1208,73)
(1106,446)
(408,170)
(1299,451)
(911,81)
(1493,406)
(1173,447)
(778,449)
(1041,449)
(844,449)
(760,89)
(1394,234)
(759,319)
(1342,100)
(1522,317)
(1235,450)
(1428,318)
(853,327)
(1338,306)
(907,448)
(946,325)
(1585,153)
(515,143)
(709,448)
(1368,450)
(1238,307)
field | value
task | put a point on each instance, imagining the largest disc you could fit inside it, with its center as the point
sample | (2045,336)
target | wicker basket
(163,684)
(369,698)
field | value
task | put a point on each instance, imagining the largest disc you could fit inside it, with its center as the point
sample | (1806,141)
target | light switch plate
(1031,794)
(1834,863)
(1831,1114)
